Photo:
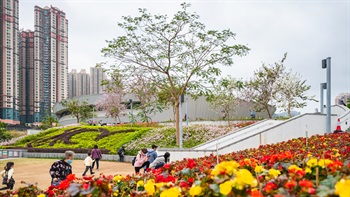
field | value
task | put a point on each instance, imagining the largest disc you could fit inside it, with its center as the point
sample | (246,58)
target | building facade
(50,59)
(78,83)
(27,76)
(9,61)
(96,77)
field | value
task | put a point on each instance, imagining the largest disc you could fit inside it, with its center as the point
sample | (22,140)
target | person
(96,155)
(152,154)
(88,162)
(160,161)
(223,114)
(141,161)
(121,152)
(61,169)
(252,114)
(8,171)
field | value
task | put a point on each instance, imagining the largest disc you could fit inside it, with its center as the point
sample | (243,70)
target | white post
(186,108)
(217,152)
(180,112)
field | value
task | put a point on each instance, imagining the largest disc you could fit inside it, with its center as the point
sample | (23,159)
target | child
(88,162)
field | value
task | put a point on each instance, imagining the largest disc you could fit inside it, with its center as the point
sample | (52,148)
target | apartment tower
(79,83)
(27,99)
(9,61)
(96,77)
(50,58)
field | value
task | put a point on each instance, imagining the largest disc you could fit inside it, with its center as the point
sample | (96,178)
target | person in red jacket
(96,155)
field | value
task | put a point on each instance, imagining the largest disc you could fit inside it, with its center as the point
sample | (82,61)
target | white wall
(253,137)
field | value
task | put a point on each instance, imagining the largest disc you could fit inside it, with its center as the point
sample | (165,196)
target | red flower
(190,181)
(290,184)
(256,193)
(306,183)
(184,184)
(64,185)
(191,163)
(86,186)
(161,178)
(99,182)
(71,177)
(167,166)
(270,186)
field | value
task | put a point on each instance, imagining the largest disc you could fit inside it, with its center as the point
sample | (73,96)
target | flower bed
(318,166)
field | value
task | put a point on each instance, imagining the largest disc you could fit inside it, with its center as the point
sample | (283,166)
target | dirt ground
(37,170)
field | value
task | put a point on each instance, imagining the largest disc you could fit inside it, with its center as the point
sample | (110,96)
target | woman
(141,160)
(61,169)
(96,155)
(8,175)
(160,161)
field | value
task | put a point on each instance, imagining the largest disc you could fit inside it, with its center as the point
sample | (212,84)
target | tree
(4,135)
(111,102)
(79,110)
(47,122)
(174,53)
(147,93)
(225,95)
(263,88)
(292,92)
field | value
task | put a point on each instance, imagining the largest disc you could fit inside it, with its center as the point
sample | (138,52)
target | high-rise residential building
(79,83)
(9,60)
(50,58)
(27,99)
(96,77)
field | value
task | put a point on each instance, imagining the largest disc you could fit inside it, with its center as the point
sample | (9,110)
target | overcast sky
(308,30)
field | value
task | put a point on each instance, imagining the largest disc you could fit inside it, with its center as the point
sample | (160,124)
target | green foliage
(47,122)
(79,110)
(4,135)
(84,139)
(348,103)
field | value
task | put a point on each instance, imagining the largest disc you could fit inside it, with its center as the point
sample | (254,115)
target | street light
(326,64)
(131,114)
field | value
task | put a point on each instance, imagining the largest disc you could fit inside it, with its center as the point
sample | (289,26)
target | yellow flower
(115,193)
(226,187)
(342,188)
(324,162)
(118,178)
(309,155)
(229,167)
(172,192)
(40,195)
(244,177)
(159,185)
(294,167)
(274,173)
(150,187)
(308,170)
(259,169)
(312,162)
(195,191)
(140,183)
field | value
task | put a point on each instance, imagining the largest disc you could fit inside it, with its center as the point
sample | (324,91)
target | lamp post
(131,113)
(186,107)
(326,64)
(323,86)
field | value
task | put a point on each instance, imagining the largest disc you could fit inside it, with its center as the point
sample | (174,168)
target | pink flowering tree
(111,102)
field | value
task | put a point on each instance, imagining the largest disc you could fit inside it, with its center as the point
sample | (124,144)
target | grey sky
(308,30)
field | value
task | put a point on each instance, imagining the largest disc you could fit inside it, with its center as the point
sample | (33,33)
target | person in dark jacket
(97,156)
(62,168)
(8,171)
(121,152)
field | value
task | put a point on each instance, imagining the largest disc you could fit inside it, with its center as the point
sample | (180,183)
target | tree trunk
(177,121)
(228,118)
(289,112)
(78,119)
(268,111)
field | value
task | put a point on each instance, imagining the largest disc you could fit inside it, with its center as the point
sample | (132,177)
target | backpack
(133,161)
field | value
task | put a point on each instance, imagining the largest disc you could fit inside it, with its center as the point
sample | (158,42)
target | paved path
(37,170)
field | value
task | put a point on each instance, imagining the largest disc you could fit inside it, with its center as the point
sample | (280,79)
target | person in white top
(8,175)
(88,163)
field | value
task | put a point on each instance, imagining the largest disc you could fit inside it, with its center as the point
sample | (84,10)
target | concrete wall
(76,156)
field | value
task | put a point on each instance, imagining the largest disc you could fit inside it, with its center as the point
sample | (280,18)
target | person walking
(160,161)
(141,161)
(7,176)
(88,162)
(96,155)
(121,152)
(61,169)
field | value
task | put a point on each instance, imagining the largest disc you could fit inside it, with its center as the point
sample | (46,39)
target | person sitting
(141,161)
(160,161)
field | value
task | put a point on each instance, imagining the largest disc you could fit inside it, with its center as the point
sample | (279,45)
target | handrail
(230,133)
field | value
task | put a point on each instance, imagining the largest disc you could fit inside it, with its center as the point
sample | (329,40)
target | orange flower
(290,184)
(306,183)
